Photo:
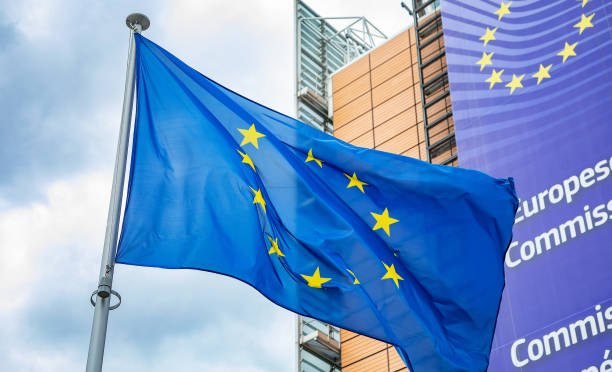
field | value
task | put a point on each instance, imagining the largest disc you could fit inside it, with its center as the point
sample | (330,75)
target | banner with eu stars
(531,89)
(383,245)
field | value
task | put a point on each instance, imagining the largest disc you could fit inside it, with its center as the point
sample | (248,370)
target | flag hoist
(101,297)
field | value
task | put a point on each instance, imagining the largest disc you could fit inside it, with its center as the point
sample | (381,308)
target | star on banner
(567,51)
(489,35)
(392,274)
(503,10)
(584,2)
(485,60)
(247,159)
(250,136)
(315,280)
(515,83)
(494,78)
(542,73)
(585,22)
(353,274)
(310,157)
(274,247)
(383,221)
(355,182)
(258,198)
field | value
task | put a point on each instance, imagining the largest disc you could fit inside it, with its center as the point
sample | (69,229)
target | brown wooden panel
(393,106)
(413,153)
(395,361)
(391,67)
(350,73)
(345,335)
(355,128)
(351,91)
(390,88)
(351,111)
(374,363)
(365,140)
(394,126)
(400,143)
(390,49)
(359,348)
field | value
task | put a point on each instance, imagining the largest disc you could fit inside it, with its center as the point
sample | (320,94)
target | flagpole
(101,298)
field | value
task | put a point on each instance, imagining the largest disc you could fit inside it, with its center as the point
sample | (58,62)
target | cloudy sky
(63,65)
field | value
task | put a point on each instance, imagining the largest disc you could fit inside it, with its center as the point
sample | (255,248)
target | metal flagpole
(101,297)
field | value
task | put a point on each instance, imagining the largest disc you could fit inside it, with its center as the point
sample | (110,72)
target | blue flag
(380,244)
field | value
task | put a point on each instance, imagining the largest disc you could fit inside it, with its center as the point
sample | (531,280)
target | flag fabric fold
(380,244)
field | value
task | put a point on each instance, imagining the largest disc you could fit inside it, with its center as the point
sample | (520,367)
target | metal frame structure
(322,49)
(436,88)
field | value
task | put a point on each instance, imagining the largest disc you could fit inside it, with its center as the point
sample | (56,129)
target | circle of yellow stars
(383,220)
(543,71)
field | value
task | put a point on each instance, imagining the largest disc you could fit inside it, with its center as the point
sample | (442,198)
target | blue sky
(63,64)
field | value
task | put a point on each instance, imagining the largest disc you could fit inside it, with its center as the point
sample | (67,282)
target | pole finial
(137,22)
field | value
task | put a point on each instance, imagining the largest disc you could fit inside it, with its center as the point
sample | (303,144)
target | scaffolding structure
(322,49)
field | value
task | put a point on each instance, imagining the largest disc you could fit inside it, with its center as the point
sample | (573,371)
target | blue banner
(531,88)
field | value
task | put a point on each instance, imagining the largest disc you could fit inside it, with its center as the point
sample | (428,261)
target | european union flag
(384,245)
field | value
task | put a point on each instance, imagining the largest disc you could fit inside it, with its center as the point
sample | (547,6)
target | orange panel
(393,106)
(365,140)
(400,143)
(389,49)
(413,153)
(350,73)
(391,67)
(395,361)
(375,363)
(345,335)
(358,348)
(351,91)
(391,87)
(352,110)
(355,128)
(394,126)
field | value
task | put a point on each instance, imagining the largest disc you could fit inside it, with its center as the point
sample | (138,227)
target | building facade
(395,98)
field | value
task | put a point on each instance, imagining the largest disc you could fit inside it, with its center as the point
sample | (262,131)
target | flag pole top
(137,22)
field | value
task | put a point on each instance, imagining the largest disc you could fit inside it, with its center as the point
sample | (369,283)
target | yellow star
(311,158)
(392,274)
(485,60)
(567,51)
(250,136)
(584,2)
(515,83)
(259,199)
(494,78)
(274,248)
(353,274)
(355,182)
(585,22)
(542,73)
(383,221)
(503,10)
(489,35)
(315,280)
(247,160)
